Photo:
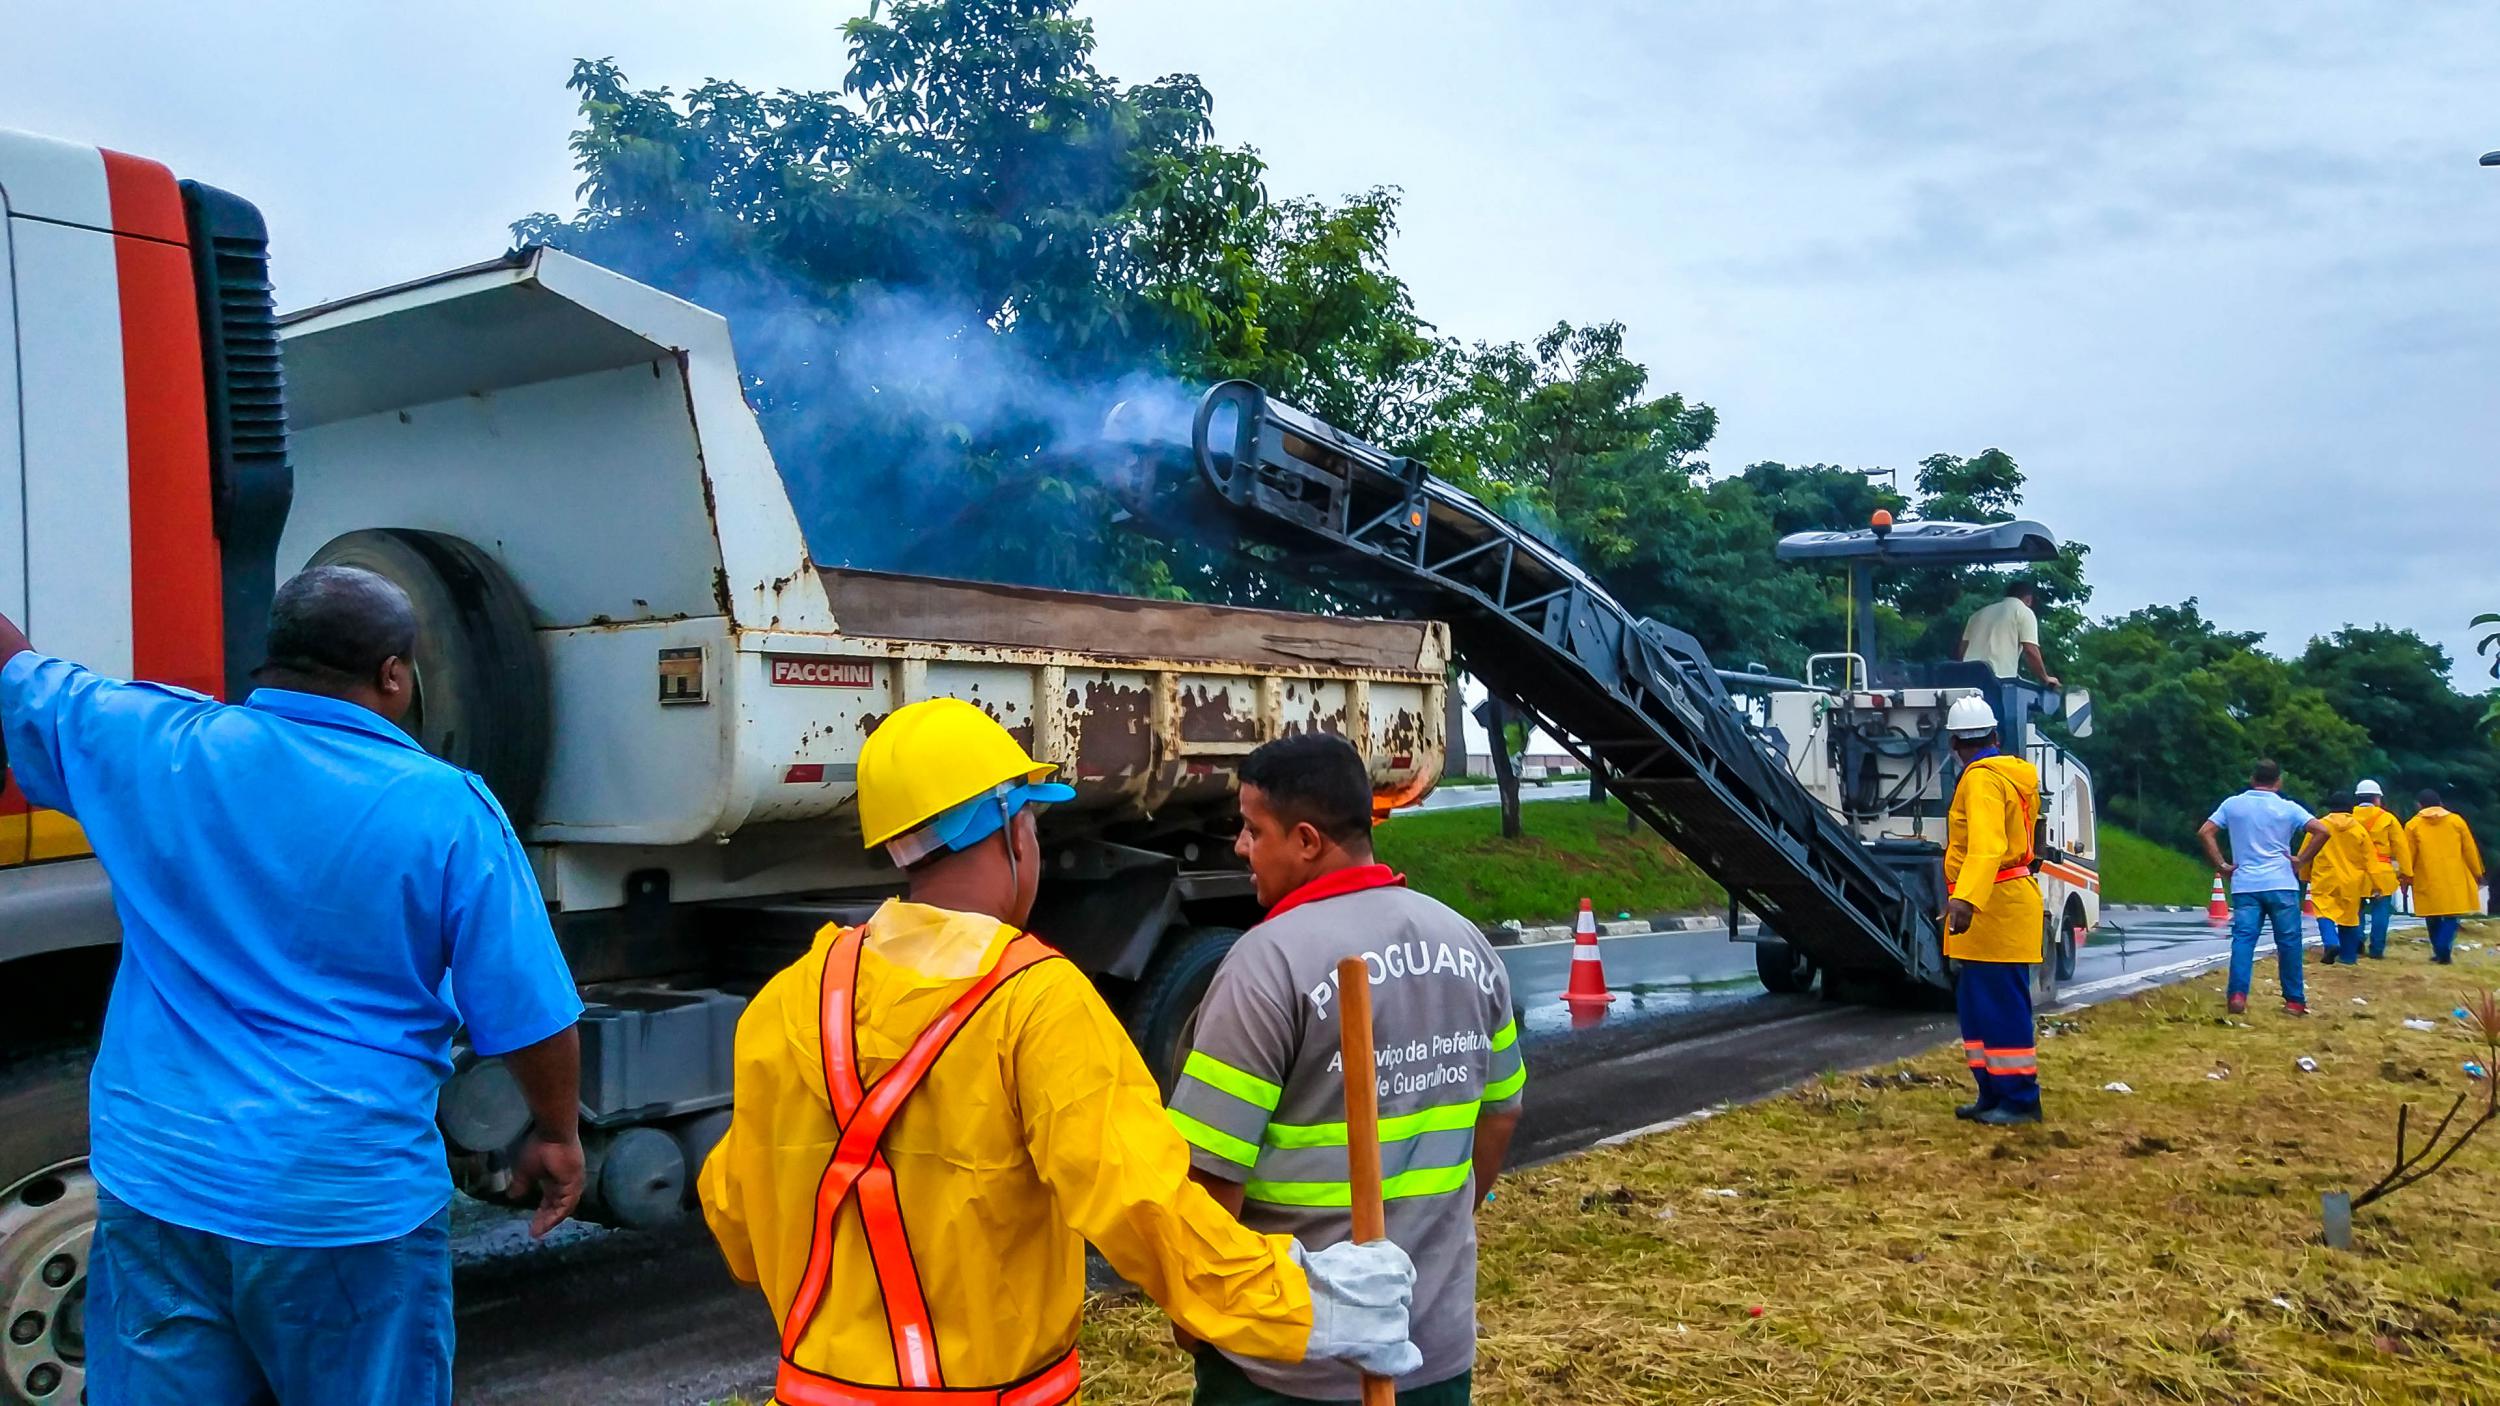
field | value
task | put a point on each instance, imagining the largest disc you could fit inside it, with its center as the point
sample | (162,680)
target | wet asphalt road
(626,1319)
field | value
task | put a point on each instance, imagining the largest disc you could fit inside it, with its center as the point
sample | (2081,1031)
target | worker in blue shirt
(310,906)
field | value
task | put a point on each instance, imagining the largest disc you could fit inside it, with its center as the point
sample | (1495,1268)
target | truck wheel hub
(47,1222)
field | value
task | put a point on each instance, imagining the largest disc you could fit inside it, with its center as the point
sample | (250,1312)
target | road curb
(1521,935)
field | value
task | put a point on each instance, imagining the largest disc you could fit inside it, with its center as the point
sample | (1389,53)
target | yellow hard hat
(929,758)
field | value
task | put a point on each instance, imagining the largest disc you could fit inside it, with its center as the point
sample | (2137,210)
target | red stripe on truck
(145,200)
(176,630)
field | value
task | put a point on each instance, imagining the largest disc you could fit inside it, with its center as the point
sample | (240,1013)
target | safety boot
(2003,1117)
(1969,1111)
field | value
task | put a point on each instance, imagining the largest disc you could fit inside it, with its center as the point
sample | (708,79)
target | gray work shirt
(1261,1098)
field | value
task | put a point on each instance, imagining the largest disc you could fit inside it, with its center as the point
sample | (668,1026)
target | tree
(944,272)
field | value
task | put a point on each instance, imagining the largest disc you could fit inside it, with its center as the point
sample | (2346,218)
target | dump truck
(1821,811)
(622,629)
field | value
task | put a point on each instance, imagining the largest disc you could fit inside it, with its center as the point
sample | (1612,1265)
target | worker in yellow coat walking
(1994,921)
(2336,866)
(2391,862)
(2447,872)
(934,1113)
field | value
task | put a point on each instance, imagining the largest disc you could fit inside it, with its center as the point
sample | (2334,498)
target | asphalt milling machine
(1820,810)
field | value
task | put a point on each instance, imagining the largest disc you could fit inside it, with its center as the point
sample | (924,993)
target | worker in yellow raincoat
(934,1113)
(2447,872)
(1995,920)
(2391,862)
(2336,866)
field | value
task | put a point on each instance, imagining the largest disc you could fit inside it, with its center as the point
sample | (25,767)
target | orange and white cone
(2218,909)
(2308,904)
(1588,974)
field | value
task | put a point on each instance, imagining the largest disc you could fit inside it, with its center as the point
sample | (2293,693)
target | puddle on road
(1633,1004)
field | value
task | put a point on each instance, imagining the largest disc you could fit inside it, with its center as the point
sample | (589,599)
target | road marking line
(1682,1120)
(2192,964)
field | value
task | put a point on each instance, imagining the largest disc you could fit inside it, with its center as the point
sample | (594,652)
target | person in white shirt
(2006,635)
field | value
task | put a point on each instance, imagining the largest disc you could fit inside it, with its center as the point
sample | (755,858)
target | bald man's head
(344,632)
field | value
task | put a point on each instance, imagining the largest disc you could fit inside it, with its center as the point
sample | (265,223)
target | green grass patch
(2136,870)
(1571,850)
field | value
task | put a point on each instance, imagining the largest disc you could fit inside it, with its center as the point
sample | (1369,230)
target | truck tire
(2046,974)
(481,678)
(47,1221)
(2070,946)
(1783,968)
(1168,995)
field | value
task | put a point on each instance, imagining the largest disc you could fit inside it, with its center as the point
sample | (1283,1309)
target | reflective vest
(859,1169)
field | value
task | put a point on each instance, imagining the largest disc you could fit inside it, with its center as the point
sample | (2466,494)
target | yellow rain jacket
(2339,874)
(2447,864)
(1037,1130)
(2391,855)
(1987,832)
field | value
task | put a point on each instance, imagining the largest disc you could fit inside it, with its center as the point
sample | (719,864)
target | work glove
(1359,1298)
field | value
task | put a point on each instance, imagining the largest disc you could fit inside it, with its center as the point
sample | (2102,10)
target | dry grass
(2162,1245)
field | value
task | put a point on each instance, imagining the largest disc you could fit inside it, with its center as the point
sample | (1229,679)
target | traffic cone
(2217,909)
(2308,904)
(1588,973)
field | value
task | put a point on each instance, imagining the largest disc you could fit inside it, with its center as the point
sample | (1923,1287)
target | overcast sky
(2227,285)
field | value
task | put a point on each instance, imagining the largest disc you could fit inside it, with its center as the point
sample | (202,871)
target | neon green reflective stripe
(1507,1036)
(1406,1125)
(1248,1087)
(1501,1089)
(1423,1181)
(1212,1139)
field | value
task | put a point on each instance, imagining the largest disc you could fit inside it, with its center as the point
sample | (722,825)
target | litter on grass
(2361,1000)
(2475,1071)
(1727,1192)
(2417,1023)
(2115,1088)
(2307,1065)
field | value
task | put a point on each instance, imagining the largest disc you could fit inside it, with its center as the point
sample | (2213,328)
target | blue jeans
(2443,937)
(2280,907)
(1994,1002)
(183,1316)
(2343,944)
(2376,913)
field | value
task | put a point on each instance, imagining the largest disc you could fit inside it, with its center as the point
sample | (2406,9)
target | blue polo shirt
(2265,829)
(310,905)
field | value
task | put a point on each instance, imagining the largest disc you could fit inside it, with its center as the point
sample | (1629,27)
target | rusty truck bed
(1121,627)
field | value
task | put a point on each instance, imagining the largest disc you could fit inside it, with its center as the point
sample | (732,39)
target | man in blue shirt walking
(311,906)
(2264,889)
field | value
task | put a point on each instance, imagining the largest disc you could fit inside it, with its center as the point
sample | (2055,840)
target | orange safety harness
(859,1169)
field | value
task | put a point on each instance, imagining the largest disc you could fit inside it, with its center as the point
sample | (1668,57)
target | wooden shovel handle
(1362,1126)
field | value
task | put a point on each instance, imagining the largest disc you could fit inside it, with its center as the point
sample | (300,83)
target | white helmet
(1970,717)
(2368,788)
